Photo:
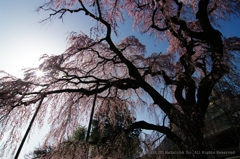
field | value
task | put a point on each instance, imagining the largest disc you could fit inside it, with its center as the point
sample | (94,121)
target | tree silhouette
(123,72)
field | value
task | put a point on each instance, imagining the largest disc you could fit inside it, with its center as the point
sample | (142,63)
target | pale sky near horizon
(23,39)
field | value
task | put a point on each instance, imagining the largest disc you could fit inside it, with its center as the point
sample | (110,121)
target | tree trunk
(197,141)
(192,134)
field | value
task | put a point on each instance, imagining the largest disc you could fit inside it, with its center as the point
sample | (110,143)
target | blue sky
(23,39)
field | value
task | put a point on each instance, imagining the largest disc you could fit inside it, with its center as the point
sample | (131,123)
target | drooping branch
(133,71)
(162,129)
(119,68)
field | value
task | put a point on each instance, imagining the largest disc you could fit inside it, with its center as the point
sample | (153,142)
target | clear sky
(23,39)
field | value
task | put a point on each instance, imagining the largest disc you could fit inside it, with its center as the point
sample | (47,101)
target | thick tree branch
(154,25)
(162,129)
(133,71)
(167,79)
(216,45)
(184,27)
